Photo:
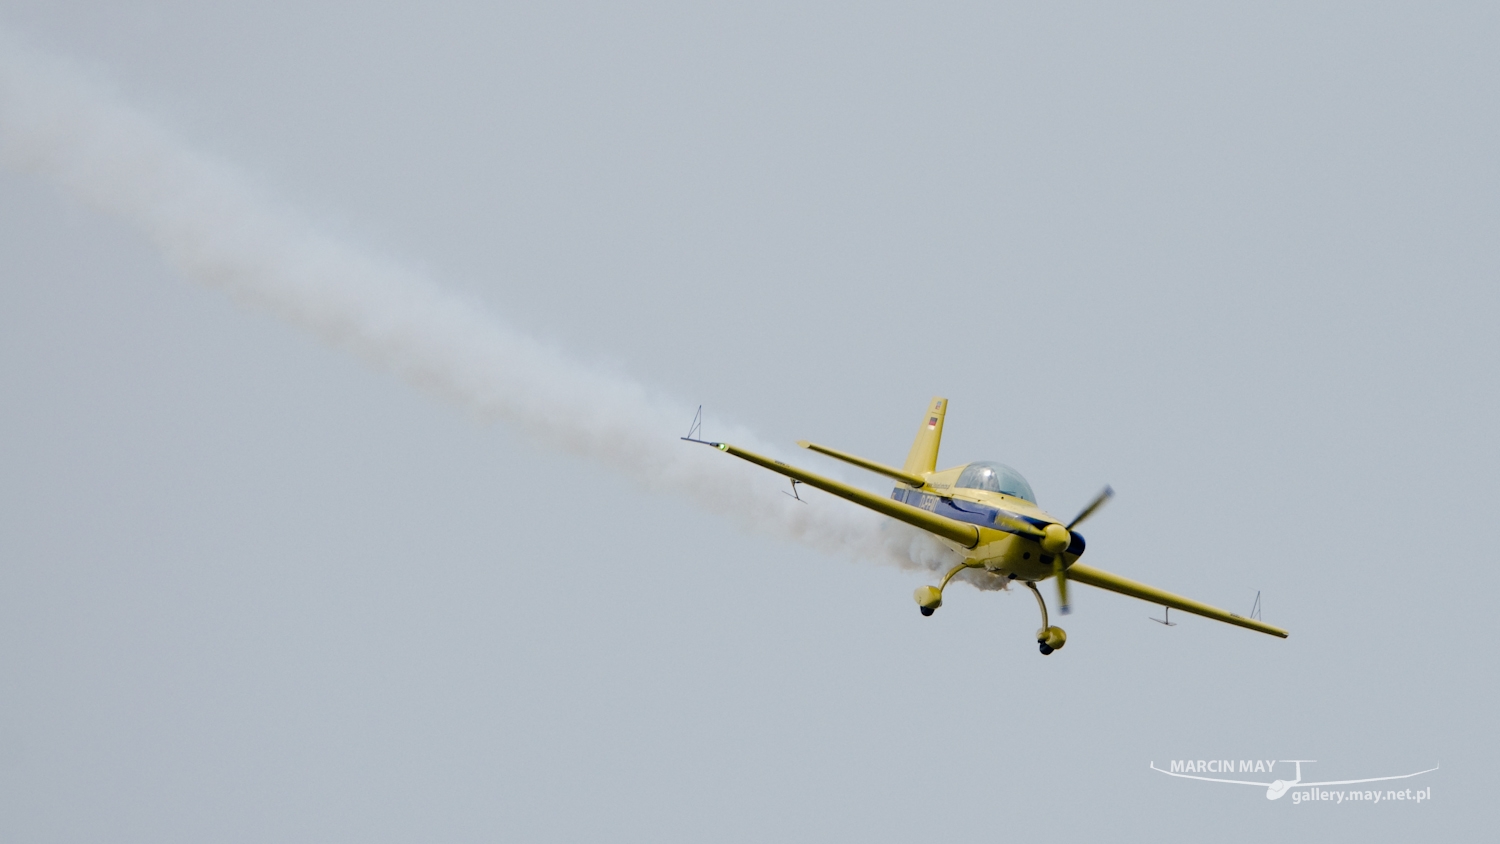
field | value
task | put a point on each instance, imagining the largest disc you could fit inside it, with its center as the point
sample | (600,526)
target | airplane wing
(967,535)
(1080,573)
(963,533)
(1209,779)
(1371,779)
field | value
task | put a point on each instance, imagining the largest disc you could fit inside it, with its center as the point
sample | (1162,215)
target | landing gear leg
(929,598)
(1049,638)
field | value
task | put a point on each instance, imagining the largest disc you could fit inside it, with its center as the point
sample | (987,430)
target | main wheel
(928,610)
(1044,648)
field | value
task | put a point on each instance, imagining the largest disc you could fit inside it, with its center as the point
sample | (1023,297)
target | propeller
(1098,502)
(1056,539)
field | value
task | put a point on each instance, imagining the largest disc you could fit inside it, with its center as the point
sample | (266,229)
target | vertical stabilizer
(923,456)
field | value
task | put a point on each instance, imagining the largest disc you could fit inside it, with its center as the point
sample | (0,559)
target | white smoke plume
(217,231)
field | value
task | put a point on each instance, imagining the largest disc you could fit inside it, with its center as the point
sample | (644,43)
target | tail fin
(924,452)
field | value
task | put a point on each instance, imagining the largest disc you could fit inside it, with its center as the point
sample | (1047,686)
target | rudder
(924,452)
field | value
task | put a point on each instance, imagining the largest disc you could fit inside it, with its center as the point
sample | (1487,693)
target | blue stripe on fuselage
(963,511)
(972,512)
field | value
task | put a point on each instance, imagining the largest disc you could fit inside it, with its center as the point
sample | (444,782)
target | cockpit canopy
(995,477)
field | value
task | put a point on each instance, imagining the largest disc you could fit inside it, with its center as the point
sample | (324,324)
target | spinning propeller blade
(1061,539)
(1061,572)
(1018,525)
(1093,505)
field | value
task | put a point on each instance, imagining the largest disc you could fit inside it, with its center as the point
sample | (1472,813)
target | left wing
(1080,573)
(1209,779)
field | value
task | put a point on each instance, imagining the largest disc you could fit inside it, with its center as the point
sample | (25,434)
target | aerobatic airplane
(987,512)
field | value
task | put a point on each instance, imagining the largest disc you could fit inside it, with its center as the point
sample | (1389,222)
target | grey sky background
(1239,264)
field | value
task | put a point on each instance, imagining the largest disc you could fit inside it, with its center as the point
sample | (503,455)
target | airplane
(1276,788)
(987,512)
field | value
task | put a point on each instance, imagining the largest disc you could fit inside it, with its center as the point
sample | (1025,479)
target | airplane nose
(1055,539)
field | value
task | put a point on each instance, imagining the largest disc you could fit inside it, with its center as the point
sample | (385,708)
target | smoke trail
(219,232)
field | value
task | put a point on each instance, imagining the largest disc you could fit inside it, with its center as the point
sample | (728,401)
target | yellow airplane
(987,512)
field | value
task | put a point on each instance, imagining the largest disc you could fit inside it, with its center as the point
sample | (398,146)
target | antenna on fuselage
(1255,610)
(793,493)
(1167,612)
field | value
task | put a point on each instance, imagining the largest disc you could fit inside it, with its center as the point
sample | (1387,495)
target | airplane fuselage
(1001,550)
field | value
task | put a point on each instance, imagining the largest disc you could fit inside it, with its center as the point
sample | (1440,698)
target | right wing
(963,533)
(1371,779)
(1080,573)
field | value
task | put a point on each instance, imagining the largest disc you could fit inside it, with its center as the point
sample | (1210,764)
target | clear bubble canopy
(995,477)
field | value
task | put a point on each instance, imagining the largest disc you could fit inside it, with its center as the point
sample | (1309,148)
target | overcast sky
(1241,265)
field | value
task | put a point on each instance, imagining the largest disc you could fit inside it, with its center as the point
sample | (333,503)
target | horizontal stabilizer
(878,468)
(963,533)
